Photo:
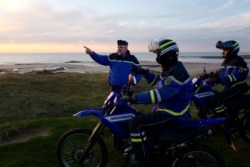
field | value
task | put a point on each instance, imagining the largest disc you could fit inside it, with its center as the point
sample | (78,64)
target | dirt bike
(179,146)
(204,99)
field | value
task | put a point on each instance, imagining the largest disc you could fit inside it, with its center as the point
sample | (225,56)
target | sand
(92,67)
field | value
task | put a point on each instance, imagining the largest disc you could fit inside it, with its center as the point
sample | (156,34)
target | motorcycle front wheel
(72,145)
(199,156)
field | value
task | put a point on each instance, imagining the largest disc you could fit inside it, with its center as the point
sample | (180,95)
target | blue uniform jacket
(171,94)
(119,67)
(233,72)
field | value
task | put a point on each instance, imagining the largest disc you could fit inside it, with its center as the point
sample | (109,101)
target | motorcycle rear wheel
(244,129)
(72,145)
(199,155)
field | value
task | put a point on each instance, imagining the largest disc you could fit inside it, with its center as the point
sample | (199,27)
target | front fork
(92,139)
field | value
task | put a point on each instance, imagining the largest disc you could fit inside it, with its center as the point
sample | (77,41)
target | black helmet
(232,46)
(166,49)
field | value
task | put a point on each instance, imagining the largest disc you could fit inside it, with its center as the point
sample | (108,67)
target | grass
(42,103)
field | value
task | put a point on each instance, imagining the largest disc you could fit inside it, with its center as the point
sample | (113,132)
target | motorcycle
(204,99)
(178,147)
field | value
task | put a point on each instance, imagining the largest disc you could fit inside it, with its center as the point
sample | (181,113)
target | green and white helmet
(167,50)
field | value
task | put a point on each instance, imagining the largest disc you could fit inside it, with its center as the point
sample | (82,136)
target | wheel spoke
(72,146)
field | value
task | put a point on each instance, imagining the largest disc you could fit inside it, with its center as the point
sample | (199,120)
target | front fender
(97,112)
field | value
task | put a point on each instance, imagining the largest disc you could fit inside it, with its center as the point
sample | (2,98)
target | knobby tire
(72,145)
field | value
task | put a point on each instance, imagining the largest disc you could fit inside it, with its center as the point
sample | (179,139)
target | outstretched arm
(88,51)
(101,59)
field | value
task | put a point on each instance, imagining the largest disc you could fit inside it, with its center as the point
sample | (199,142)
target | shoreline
(93,67)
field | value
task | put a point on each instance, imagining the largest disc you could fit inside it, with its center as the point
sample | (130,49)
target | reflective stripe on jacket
(170,94)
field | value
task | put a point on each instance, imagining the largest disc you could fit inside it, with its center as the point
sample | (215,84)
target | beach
(82,63)
(92,67)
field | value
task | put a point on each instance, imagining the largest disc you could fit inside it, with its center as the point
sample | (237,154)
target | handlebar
(200,82)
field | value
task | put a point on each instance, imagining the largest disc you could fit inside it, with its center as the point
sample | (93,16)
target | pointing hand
(88,51)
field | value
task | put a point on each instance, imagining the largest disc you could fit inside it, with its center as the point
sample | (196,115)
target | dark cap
(122,42)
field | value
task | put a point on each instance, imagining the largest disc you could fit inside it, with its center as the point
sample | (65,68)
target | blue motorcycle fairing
(204,94)
(110,99)
(201,97)
(198,81)
(119,103)
(118,122)
(97,112)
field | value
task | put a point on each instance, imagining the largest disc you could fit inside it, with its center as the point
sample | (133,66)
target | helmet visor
(153,46)
(221,45)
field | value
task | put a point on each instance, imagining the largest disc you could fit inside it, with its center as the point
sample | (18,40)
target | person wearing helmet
(232,75)
(171,96)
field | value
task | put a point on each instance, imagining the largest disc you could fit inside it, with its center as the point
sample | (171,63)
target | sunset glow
(58,26)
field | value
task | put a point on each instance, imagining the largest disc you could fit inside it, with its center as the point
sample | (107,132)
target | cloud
(188,22)
(225,6)
(239,21)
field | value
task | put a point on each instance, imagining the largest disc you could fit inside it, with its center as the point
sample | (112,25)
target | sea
(32,58)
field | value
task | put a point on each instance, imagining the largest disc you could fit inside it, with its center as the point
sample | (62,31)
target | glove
(212,80)
(127,98)
(127,94)
(124,98)
(127,90)
(204,76)
(138,70)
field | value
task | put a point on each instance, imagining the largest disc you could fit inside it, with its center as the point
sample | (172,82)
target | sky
(48,26)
